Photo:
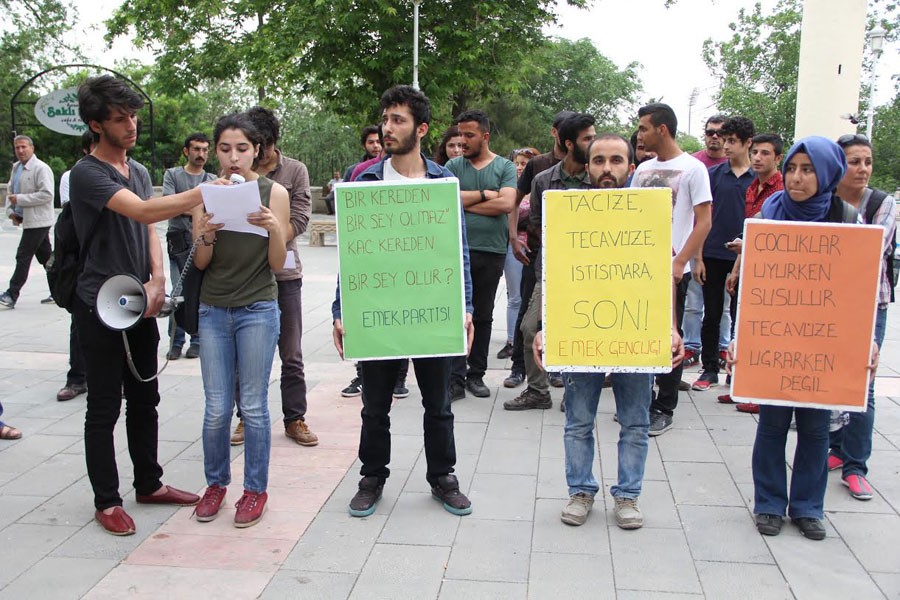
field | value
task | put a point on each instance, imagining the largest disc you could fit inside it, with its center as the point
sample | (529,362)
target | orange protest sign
(806,313)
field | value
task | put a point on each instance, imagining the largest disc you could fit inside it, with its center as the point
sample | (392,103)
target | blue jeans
(242,337)
(512,270)
(809,474)
(693,318)
(632,394)
(853,442)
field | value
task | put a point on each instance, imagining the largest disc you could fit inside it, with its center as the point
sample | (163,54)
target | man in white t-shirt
(691,221)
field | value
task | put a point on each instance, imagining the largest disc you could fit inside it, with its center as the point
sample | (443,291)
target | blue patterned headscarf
(830,164)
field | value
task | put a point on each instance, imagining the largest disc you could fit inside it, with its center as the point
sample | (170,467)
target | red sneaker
(208,508)
(859,487)
(691,358)
(747,407)
(725,399)
(250,509)
(834,463)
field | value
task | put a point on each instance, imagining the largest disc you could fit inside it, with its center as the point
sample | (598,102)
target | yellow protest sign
(806,314)
(607,280)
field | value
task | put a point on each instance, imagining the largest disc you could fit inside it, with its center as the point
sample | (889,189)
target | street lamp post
(415,82)
(876,42)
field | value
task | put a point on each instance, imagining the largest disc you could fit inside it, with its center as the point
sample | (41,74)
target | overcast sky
(667,43)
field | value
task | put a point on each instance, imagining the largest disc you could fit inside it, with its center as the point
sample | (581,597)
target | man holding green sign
(407,291)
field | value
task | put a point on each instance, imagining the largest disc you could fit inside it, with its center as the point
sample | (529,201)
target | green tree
(31,39)
(563,74)
(886,173)
(342,53)
(758,66)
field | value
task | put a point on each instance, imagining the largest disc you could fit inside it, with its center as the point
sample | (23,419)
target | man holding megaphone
(114,216)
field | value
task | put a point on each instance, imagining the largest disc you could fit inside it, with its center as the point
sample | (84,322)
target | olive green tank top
(239,272)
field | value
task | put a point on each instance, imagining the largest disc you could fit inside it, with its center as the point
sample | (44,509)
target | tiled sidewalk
(698,541)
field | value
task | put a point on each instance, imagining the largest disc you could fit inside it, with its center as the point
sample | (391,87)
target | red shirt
(758,192)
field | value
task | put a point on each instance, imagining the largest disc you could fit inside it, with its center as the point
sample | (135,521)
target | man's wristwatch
(483,196)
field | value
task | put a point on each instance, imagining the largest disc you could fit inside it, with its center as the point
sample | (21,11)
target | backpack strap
(82,251)
(875,201)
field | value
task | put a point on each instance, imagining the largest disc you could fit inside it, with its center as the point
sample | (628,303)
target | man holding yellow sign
(608,307)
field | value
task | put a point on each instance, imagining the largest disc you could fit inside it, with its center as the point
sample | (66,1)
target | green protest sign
(401,269)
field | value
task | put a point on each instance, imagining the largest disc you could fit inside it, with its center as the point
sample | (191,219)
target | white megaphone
(122,301)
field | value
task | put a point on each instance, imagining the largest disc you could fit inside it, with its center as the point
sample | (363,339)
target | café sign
(58,111)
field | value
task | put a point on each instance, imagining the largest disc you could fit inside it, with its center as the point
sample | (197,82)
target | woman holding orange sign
(812,170)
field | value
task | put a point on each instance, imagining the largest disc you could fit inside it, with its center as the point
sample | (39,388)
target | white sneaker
(628,515)
(577,509)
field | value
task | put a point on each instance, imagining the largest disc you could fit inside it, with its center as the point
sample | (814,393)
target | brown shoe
(169,496)
(117,523)
(237,438)
(70,391)
(299,432)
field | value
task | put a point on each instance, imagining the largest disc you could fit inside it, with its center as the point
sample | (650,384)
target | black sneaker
(7,300)
(174,353)
(813,529)
(354,389)
(447,492)
(400,390)
(193,351)
(505,351)
(477,387)
(529,399)
(514,380)
(769,524)
(707,380)
(363,503)
(556,380)
(659,423)
(457,392)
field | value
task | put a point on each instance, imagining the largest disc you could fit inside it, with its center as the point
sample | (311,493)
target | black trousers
(75,376)
(107,374)
(379,377)
(717,271)
(526,289)
(34,243)
(666,400)
(486,268)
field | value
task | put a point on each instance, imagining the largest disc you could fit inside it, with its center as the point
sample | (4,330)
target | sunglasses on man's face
(714,133)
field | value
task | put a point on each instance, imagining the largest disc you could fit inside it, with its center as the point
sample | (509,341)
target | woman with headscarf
(812,170)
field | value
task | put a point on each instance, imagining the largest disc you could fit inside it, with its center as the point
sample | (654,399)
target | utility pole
(415,82)
(692,100)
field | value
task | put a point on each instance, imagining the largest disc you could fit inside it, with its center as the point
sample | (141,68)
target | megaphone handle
(176,289)
(131,366)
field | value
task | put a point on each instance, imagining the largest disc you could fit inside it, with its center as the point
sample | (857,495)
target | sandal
(9,433)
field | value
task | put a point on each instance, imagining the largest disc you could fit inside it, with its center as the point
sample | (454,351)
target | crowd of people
(250,297)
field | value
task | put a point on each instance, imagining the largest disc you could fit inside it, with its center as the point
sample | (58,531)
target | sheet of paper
(230,204)
(290,262)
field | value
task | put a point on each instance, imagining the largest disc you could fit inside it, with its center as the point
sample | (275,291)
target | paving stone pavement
(698,540)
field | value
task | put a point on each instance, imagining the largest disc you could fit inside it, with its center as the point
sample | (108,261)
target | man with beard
(610,164)
(179,235)
(488,189)
(114,216)
(691,219)
(575,135)
(406,113)
(525,253)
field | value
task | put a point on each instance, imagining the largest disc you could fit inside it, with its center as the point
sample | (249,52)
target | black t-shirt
(534,167)
(120,244)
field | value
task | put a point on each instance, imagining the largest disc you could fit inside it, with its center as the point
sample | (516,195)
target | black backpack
(67,260)
(875,201)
